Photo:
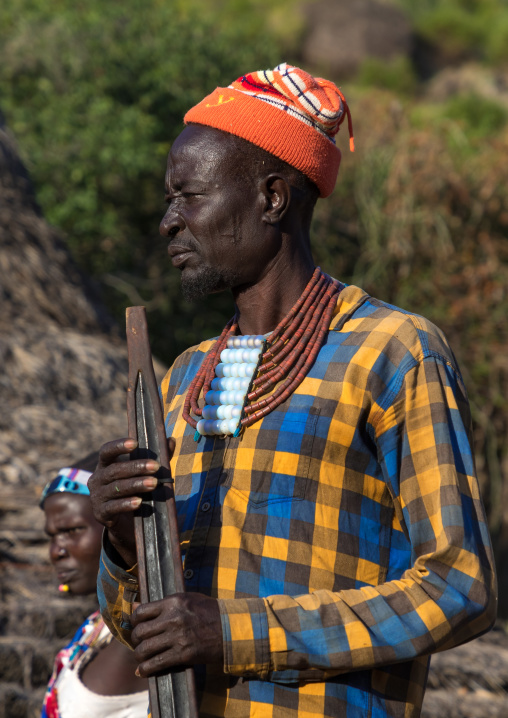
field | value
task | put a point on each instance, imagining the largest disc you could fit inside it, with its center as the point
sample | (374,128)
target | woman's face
(75,541)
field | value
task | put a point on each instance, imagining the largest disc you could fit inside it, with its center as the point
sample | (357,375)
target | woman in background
(94,674)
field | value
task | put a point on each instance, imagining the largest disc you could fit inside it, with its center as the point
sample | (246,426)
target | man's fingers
(150,646)
(153,619)
(112,494)
(122,506)
(113,449)
(145,633)
(179,630)
(122,496)
(124,479)
(160,663)
(147,612)
(118,488)
(128,470)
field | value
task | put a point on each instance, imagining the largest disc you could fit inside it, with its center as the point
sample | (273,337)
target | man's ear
(277,194)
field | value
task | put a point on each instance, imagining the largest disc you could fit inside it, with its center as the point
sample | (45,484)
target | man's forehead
(201,147)
(197,134)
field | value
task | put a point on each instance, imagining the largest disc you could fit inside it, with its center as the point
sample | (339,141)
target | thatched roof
(63,363)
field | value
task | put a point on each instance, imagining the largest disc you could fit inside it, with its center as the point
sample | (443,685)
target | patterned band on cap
(317,102)
(288,113)
(69,481)
(78,475)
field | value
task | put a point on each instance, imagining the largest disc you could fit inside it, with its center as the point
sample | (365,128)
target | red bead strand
(294,309)
(287,369)
(278,372)
(295,376)
(299,317)
(292,350)
(301,336)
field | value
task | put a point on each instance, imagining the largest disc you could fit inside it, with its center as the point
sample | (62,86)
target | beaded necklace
(239,372)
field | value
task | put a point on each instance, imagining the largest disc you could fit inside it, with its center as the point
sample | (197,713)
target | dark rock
(67,621)
(430,58)
(14,703)
(41,667)
(341,35)
(12,662)
(474,666)
(470,681)
(469,79)
(450,704)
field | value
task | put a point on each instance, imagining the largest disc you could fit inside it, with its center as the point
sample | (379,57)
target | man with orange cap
(331,525)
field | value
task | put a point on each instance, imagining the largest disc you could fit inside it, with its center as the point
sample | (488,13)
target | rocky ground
(470,681)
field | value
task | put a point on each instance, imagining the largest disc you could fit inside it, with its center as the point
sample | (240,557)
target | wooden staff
(172,695)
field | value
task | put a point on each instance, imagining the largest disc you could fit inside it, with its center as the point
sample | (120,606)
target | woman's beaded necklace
(239,372)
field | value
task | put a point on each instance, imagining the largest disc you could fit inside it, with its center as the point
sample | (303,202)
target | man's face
(213,217)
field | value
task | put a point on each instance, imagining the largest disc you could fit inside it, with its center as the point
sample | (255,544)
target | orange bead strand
(291,351)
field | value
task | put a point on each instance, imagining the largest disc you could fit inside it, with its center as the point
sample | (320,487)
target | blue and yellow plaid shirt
(343,534)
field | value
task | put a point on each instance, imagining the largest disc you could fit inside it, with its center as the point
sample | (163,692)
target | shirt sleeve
(117,589)
(421,429)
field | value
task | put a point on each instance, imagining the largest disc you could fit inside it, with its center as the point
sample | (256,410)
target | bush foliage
(95,92)
(463,27)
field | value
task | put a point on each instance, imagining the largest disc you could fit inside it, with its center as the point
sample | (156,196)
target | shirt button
(188,573)
(206,506)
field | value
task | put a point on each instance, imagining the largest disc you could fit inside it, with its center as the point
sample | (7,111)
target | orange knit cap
(288,113)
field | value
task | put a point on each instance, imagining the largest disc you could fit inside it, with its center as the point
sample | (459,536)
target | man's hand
(181,630)
(115,491)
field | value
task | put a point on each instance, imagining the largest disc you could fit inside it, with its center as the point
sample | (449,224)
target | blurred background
(92,94)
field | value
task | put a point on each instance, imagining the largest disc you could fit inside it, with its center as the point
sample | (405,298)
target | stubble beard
(207,280)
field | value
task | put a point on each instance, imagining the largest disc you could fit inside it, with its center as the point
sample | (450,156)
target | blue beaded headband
(71,481)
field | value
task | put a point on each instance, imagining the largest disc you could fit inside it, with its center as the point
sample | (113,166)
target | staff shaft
(172,695)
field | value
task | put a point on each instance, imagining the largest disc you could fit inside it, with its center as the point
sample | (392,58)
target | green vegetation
(479,116)
(397,75)
(95,93)
(459,28)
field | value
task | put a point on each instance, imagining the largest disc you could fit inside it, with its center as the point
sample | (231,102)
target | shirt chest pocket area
(271,463)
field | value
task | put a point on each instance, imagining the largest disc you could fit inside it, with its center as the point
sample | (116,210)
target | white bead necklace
(233,376)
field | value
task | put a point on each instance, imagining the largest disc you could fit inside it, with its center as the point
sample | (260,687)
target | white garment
(75,700)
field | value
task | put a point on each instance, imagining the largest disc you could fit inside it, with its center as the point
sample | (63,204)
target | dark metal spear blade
(172,695)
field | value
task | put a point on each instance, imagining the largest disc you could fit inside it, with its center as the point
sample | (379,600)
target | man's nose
(171,224)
